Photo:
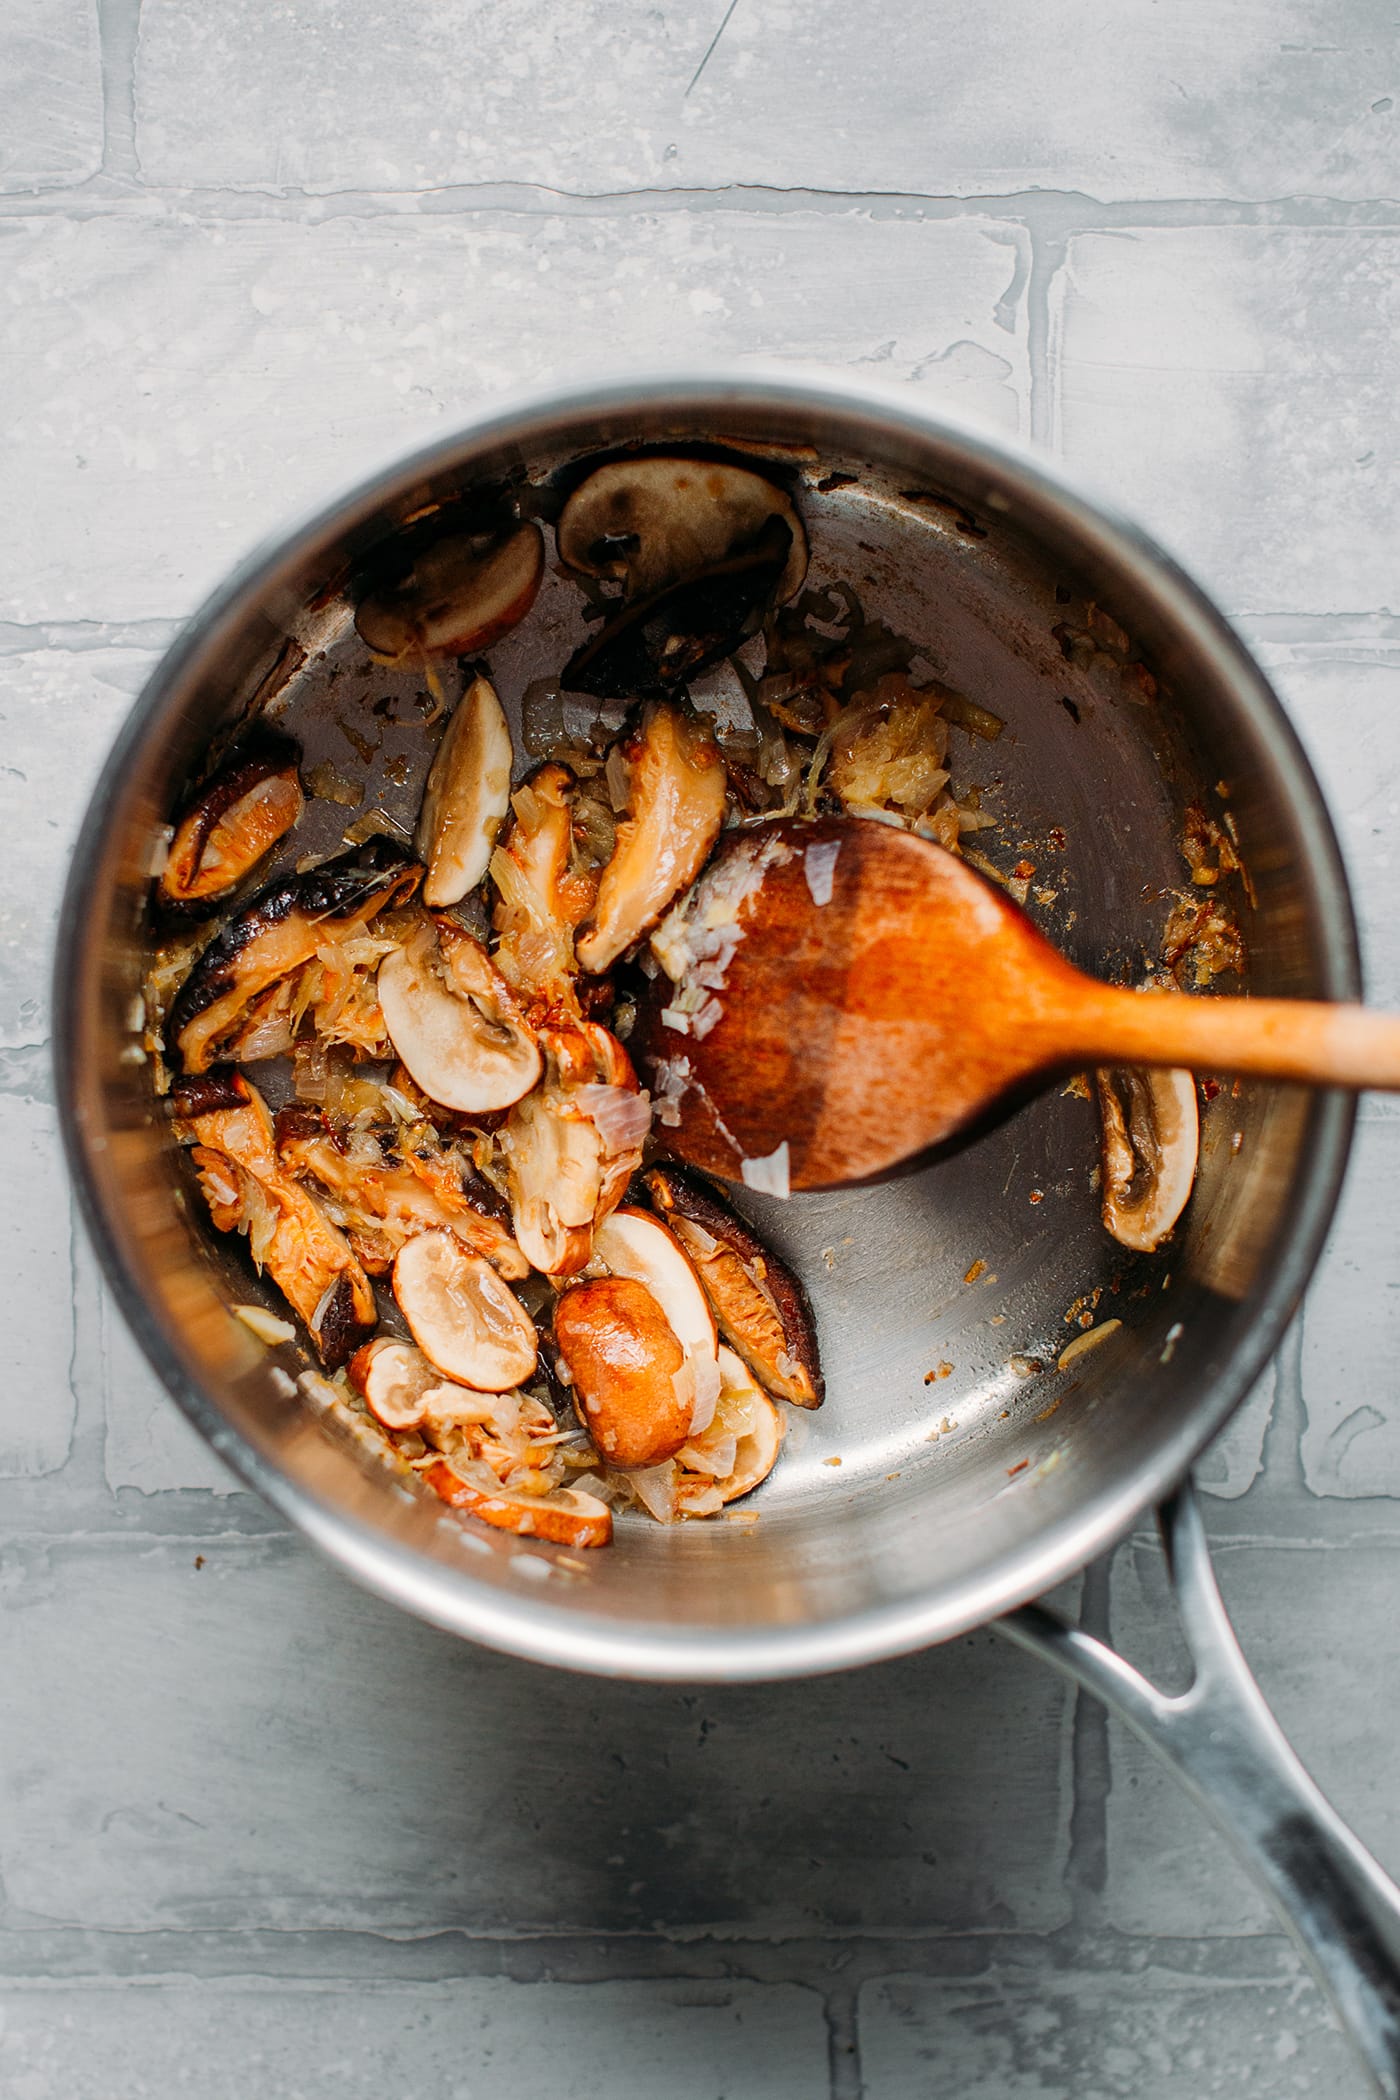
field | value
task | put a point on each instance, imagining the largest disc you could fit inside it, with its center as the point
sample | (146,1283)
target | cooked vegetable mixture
(464,1196)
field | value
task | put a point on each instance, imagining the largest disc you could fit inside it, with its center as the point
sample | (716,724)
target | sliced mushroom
(382,1197)
(462,1316)
(466,798)
(404,1391)
(392,1378)
(571,1147)
(633,1243)
(540,898)
(628,1370)
(677,788)
(289,1235)
(651,521)
(239,815)
(657,642)
(461,594)
(1151,1134)
(762,1309)
(566,1517)
(744,1441)
(454,1023)
(241,980)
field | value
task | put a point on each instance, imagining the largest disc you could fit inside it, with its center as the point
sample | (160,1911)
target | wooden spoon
(862,1029)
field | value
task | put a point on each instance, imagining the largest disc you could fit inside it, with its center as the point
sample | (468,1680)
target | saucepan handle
(1229,1752)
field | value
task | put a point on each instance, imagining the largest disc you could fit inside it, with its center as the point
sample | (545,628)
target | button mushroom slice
(652,521)
(237,817)
(1151,1133)
(656,642)
(277,932)
(541,897)
(392,1378)
(566,1517)
(404,1391)
(627,1368)
(677,787)
(462,1316)
(461,594)
(762,1309)
(634,1243)
(740,1448)
(451,1018)
(382,1198)
(571,1147)
(553,1153)
(466,798)
(289,1235)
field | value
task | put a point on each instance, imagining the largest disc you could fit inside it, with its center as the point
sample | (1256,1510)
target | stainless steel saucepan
(960,1492)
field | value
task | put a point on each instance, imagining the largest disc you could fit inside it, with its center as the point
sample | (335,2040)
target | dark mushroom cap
(249,952)
(761,1308)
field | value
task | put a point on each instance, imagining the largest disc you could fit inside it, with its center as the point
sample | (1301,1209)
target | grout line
(842,2012)
(62,1957)
(118,26)
(73,637)
(1086,1868)
(1048,252)
(120,191)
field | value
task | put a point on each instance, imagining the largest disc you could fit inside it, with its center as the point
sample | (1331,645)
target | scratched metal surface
(260,1828)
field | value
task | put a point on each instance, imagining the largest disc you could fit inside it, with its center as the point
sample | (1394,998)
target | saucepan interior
(955,1468)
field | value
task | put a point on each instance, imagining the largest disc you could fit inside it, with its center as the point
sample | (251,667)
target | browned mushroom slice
(658,641)
(382,1198)
(761,1307)
(567,1517)
(461,594)
(650,521)
(554,1164)
(627,1369)
(540,897)
(462,1316)
(289,1235)
(1151,1134)
(392,1378)
(746,1410)
(240,814)
(466,798)
(277,932)
(404,1391)
(454,1023)
(739,1449)
(677,788)
(571,1146)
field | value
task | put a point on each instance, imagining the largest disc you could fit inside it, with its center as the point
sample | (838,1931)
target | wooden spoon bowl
(878,998)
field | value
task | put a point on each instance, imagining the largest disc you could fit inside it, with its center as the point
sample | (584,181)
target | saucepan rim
(530,1626)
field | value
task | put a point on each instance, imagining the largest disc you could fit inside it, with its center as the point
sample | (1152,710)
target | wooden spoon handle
(1276,1038)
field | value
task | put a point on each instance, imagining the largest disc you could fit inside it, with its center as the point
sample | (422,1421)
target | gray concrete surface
(258,1833)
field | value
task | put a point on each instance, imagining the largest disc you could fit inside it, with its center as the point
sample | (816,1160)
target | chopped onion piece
(715,1456)
(655,1489)
(707,1385)
(819,866)
(769,1176)
(621,1118)
(323,1304)
(265,1325)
